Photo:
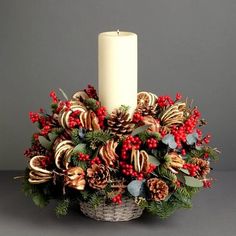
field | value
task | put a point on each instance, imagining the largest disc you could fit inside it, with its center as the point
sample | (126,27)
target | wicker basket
(128,210)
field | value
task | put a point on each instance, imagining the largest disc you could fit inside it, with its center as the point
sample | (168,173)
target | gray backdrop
(184,45)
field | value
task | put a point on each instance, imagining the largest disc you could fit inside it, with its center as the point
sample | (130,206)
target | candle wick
(118,31)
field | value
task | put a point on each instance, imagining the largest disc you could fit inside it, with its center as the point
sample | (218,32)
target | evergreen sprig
(97,137)
(62,207)
(91,103)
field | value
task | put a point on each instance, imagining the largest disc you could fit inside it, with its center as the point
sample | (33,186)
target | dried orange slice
(80,95)
(36,164)
(144,99)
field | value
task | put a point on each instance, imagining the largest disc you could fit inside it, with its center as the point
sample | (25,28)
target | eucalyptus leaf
(81,147)
(169,140)
(64,94)
(140,129)
(135,187)
(185,171)
(153,160)
(44,142)
(192,138)
(52,136)
(193,182)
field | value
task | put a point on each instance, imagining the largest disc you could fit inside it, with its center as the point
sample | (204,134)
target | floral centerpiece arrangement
(116,165)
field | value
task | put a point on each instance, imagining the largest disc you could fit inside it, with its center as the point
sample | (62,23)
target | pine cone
(98,176)
(158,189)
(149,120)
(147,110)
(108,154)
(120,123)
(203,165)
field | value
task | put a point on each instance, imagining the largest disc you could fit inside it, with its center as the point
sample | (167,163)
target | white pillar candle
(117,70)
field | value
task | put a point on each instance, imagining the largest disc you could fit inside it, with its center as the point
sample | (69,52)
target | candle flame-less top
(117,69)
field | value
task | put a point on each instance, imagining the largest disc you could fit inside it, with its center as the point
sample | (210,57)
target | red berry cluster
(117,199)
(45,130)
(178,96)
(151,143)
(34,117)
(137,117)
(188,127)
(193,169)
(151,168)
(207,183)
(206,139)
(128,144)
(183,152)
(74,119)
(95,160)
(83,157)
(54,97)
(164,101)
(91,91)
(206,155)
(101,113)
(128,169)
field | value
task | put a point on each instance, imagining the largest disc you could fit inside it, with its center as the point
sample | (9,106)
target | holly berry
(151,143)
(207,183)
(83,157)
(54,97)
(95,160)
(34,117)
(101,113)
(178,96)
(117,199)
(137,117)
(45,130)
(128,144)
(183,152)
(192,168)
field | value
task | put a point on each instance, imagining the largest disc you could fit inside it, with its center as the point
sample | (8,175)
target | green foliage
(212,152)
(167,174)
(140,129)
(62,207)
(91,103)
(181,198)
(97,138)
(76,162)
(76,136)
(85,195)
(96,199)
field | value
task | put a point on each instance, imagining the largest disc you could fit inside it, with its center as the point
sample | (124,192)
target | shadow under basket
(113,212)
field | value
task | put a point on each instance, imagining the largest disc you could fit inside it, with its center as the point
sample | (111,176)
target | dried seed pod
(89,120)
(74,178)
(154,124)
(140,160)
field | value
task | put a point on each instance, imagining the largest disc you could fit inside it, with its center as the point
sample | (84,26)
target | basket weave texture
(126,211)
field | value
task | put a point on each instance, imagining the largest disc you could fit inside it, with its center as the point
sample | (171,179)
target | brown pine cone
(107,152)
(159,190)
(149,120)
(120,123)
(98,176)
(147,110)
(203,165)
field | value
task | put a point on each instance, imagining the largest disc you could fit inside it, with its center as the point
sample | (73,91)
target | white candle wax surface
(117,70)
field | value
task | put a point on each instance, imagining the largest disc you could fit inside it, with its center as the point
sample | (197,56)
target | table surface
(213,213)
